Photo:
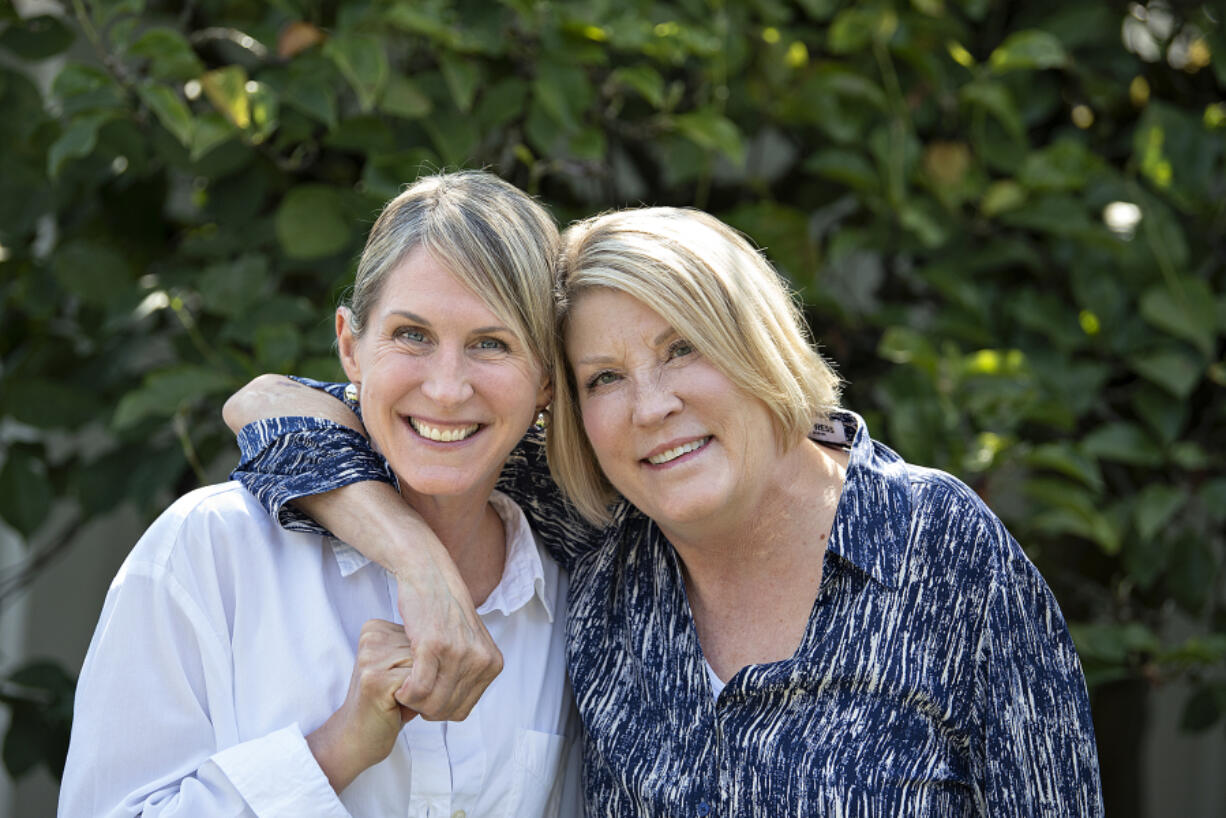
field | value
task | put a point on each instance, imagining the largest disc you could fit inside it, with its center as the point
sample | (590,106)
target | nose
(654,401)
(448,383)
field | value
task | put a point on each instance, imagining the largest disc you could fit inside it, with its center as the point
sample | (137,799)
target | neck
(786,524)
(472,532)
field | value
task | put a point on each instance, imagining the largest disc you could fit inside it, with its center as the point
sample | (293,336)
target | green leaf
(1114,643)
(848,167)
(385,175)
(563,92)
(923,222)
(306,86)
(454,135)
(85,88)
(1001,197)
(1065,459)
(170,110)
(904,345)
(1122,443)
(277,346)
(96,273)
(711,130)
(25,492)
(404,99)
(855,28)
(502,102)
(1031,50)
(106,11)
(210,130)
(36,38)
(1066,165)
(171,56)
(311,223)
(1072,510)
(77,141)
(996,99)
(1192,573)
(226,88)
(1189,313)
(362,60)
(644,79)
(1154,506)
(163,393)
(228,288)
(1212,496)
(1054,214)
(463,78)
(781,232)
(1175,370)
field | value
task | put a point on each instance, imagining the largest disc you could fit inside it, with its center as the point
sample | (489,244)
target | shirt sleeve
(1038,755)
(285,458)
(155,729)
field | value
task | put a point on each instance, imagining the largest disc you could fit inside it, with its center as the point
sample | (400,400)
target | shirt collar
(872,522)
(524,573)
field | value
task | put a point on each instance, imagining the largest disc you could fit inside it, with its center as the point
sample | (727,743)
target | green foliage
(1007,226)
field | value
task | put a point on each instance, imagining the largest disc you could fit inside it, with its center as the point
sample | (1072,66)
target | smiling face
(670,431)
(446,388)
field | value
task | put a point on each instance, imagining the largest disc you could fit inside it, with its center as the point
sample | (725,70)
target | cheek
(596,424)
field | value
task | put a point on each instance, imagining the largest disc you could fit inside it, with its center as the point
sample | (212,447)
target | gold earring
(351,393)
(542,418)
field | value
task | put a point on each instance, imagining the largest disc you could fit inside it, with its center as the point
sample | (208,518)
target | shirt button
(459,814)
(704,808)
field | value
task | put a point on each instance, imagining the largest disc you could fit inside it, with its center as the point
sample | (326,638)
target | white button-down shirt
(225,640)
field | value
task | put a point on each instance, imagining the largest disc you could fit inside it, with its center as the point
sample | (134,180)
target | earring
(542,418)
(351,393)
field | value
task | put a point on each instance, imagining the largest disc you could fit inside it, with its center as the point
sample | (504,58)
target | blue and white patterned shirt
(936,676)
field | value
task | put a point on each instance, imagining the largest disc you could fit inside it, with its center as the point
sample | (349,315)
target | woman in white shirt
(236,672)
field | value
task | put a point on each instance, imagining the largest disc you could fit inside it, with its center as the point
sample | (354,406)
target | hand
(363,731)
(455,658)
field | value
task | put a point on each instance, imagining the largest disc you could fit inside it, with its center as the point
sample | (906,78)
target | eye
(680,348)
(602,378)
(491,345)
(411,334)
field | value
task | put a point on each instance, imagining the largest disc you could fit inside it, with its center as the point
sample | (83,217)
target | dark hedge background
(1006,219)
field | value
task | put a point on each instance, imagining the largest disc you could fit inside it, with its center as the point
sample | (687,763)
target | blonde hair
(489,234)
(719,293)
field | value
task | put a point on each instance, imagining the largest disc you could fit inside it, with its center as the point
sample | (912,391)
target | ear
(544,395)
(347,345)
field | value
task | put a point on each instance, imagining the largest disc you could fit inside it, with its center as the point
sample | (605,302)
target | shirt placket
(431,776)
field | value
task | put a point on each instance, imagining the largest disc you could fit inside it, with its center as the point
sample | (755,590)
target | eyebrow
(419,319)
(606,359)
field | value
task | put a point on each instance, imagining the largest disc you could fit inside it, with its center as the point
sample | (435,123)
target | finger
(419,683)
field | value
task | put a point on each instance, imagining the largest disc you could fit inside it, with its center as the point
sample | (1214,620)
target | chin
(684,512)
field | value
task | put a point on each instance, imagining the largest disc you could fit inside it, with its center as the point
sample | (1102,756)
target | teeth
(673,454)
(442,435)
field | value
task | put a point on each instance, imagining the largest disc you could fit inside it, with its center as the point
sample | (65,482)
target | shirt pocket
(537,766)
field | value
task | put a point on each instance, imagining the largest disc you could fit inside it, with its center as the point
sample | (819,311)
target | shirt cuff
(278,777)
(286,458)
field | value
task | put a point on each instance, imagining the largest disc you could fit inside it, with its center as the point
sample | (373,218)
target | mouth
(669,455)
(443,434)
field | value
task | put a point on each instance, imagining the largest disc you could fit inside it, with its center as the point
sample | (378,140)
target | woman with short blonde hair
(711,284)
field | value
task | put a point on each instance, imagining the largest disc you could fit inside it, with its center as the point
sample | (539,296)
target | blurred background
(1007,221)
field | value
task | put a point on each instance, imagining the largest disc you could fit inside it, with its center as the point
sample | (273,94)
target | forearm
(271,396)
(374,519)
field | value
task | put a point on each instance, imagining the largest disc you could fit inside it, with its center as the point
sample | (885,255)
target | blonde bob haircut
(719,293)
(494,238)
